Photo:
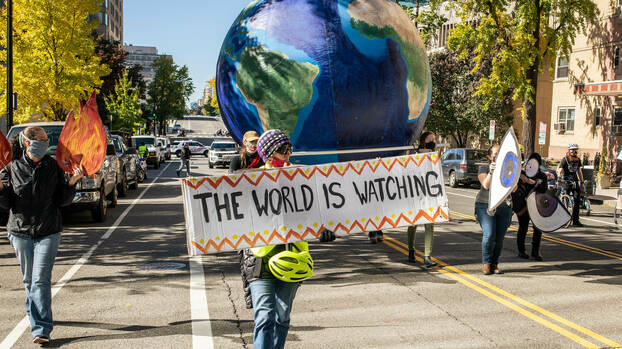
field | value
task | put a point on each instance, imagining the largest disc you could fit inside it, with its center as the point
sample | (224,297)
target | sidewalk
(613,192)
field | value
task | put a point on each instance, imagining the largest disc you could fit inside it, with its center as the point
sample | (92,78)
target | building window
(565,117)
(597,117)
(617,117)
(562,68)
(616,57)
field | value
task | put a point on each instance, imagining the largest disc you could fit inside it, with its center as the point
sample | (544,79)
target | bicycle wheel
(567,202)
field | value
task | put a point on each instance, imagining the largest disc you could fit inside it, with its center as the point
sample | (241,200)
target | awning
(605,88)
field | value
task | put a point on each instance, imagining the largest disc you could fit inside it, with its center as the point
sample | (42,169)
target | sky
(192,31)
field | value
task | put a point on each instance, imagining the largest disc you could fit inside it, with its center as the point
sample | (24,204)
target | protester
(519,206)
(493,226)
(269,289)
(570,168)
(427,143)
(248,158)
(33,188)
(184,159)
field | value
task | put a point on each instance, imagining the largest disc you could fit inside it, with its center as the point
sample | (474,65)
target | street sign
(491,133)
(542,134)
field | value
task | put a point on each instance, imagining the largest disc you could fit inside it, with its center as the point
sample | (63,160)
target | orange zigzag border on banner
(325,171)
(310,231)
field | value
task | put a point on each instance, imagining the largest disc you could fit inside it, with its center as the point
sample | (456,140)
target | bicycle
(565,189)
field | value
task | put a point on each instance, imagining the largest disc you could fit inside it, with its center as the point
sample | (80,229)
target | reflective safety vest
(142,150)
(261,252)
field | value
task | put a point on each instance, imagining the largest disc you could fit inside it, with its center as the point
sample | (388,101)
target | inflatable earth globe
(334,75)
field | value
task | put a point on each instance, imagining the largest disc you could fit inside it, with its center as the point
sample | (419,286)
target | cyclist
(570,169)
(142,150)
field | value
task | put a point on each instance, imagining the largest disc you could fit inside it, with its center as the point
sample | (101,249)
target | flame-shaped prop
(6,153)
(82,143)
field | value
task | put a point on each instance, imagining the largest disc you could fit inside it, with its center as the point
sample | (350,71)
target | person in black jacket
(248,158)
(33,188)
(185,159)
(537,181)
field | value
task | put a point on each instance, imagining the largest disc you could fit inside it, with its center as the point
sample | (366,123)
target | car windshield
(53,132)
(477,155)
(146,140)
(223,146)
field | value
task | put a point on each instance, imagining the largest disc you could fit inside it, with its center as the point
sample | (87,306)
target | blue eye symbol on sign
(510,169)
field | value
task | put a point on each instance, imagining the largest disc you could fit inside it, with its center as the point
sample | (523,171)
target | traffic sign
(542,134)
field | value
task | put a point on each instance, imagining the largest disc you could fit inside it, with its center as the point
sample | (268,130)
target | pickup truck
(91,191)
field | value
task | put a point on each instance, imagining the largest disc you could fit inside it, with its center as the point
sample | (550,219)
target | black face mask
(430,145)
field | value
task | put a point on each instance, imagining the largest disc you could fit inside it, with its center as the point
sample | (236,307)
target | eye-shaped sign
(531,168)
(507,171)
(547,212)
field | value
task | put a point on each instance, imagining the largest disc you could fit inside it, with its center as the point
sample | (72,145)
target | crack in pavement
(238,323)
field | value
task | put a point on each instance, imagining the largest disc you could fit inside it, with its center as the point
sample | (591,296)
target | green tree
(454,111)
(518,37)
(169,90)
(54,58)
(113,55)
(123,104)
(427,16)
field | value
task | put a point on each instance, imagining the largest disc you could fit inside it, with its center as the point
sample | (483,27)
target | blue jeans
(272,303)
(493,230)
(182,163)
(36,259)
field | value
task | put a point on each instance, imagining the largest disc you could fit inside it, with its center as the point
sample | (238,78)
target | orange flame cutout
(82,143)
(6,153)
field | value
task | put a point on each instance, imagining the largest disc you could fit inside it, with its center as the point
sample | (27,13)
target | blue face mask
(37,148)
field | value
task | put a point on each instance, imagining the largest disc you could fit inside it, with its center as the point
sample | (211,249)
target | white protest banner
(276,206)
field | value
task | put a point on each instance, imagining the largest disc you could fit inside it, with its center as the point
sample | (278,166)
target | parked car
(196,148)
(128,169)
(165,149)
(154,155)
(176,127)
(221,153)
(460,165)
(91,191)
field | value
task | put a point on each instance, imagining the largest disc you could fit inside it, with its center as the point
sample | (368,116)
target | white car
(221,153)
(196,148)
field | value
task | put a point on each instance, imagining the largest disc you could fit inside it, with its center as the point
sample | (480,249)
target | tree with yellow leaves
(54,60)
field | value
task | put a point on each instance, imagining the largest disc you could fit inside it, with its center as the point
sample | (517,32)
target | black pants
(523,225)
(577,206)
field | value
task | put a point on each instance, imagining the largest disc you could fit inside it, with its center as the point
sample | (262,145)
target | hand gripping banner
(276,206)
(507,171)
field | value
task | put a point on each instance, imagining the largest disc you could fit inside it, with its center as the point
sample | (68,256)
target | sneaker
(411,256)
(372,237)
(537,258)
(523,255)
(495,269)
(577,224)
(428,262)
(41,339)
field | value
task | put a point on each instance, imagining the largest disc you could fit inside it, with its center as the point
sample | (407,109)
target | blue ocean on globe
(334,75)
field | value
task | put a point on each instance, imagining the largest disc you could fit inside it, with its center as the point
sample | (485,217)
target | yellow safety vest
(261,252)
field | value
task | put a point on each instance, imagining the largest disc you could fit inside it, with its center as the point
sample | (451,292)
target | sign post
(542,135)
(491,133)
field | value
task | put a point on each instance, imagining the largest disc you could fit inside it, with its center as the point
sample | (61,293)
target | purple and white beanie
(269,142)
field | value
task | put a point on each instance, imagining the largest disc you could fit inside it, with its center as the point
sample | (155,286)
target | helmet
(291,266)
(573,146)
(269,143)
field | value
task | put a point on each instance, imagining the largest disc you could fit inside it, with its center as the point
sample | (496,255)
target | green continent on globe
(277,86)
(401,31)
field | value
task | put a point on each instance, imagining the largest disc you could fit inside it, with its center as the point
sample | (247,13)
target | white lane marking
(582,217)
(201,325)
(14,335)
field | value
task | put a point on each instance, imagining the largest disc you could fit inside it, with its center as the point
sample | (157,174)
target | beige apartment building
(587,91)
(110,18)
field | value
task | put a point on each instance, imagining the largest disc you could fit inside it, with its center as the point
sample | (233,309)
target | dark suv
(91,191)
(129,158)
(460,165)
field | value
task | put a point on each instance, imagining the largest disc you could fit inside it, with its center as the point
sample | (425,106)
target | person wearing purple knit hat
(274,147)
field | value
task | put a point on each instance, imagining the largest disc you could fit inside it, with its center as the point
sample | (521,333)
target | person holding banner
(427,144)
(493,226)
(248,158)
(271,274)
(33,188)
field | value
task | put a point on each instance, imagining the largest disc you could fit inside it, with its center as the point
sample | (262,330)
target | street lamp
(9,64)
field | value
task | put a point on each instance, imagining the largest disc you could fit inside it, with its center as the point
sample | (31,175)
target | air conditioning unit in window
(559,127)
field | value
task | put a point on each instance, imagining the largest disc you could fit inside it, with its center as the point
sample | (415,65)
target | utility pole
(9,63)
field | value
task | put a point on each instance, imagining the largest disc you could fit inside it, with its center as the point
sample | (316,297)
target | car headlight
(87,183)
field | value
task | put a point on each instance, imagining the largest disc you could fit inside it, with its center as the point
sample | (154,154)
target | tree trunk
(529,122)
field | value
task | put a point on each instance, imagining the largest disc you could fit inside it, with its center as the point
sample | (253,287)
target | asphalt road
(128,283)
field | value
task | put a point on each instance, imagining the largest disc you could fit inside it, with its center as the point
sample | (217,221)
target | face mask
(275,162)
(37,148)
(430,145)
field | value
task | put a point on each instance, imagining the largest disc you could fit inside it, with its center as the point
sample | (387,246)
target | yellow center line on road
(462,276)
(559,240)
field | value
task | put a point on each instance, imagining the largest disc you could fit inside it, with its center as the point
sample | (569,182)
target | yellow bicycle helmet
(291,266)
